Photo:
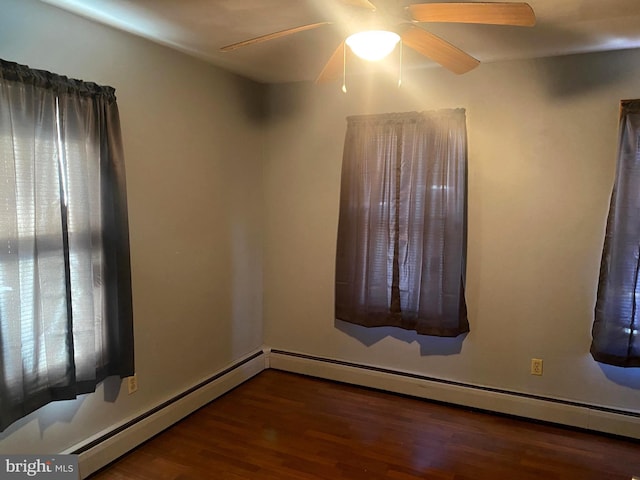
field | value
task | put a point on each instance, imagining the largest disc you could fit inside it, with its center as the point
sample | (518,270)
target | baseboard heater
(553,410)
(107,446)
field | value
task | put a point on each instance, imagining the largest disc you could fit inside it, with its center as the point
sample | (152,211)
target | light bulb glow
(373,45)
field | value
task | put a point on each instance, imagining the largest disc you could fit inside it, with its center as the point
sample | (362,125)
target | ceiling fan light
(373,45)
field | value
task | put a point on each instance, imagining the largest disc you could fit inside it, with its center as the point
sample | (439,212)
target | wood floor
(281,426)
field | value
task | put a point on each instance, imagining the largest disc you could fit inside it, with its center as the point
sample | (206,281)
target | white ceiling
(201,27)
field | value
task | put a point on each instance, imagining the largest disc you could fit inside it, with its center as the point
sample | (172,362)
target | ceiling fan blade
(438,50)
(360,3)
(334,67)
(491,13)
(271,36)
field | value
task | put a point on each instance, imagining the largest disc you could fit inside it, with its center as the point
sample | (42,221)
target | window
(616,328)
(65,289)
(401,251)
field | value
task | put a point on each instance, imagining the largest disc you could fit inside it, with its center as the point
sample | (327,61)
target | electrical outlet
(132,383)
(536,366)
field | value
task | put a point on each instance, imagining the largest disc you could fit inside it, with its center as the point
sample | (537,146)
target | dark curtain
(616,327)
(401,250)
(65,282)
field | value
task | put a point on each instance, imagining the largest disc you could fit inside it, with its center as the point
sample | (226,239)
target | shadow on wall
(111,386)
(252,97)
(627,377)
(62,411)
(575,74)
(429,345)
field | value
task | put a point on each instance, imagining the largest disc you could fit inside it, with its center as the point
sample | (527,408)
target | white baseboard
(589,417)
(107,446)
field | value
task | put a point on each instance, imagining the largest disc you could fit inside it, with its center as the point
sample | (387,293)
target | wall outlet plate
(132,383)
(536,366)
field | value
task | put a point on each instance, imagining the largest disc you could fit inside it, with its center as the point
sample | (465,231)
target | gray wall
(542,144)
(193,138)
(210,211)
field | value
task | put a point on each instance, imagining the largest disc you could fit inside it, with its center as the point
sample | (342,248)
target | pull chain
(400,66)
(344,67)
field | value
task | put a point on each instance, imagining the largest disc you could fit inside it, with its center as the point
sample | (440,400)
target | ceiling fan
(402,19)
